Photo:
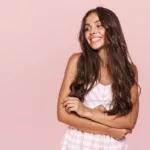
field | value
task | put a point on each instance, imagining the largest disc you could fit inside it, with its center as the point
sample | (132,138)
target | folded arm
(72,119)
(75,120)
(128,121)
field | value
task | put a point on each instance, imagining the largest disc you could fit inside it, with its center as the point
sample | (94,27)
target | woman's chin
(95,48)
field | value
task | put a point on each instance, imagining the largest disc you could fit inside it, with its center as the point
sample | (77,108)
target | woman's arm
(72,119)
(127,121)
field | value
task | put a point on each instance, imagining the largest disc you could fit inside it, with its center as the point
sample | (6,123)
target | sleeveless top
(99,95)
(75,139)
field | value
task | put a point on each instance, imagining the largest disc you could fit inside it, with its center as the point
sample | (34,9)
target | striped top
(75,139)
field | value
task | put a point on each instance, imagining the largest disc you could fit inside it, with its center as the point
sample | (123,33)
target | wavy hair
(121,66)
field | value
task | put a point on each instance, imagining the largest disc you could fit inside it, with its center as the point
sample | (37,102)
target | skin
(73,104)
(94,30)
(70,110)
(95,36)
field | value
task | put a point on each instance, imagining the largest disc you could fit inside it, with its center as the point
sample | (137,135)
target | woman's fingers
(73,104)
(70,98)
(129,131)
(69,107)
(68,102)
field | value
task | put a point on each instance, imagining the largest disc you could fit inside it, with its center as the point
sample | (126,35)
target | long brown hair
(119,62)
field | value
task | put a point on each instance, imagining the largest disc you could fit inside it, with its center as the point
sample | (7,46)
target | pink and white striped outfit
(75,139)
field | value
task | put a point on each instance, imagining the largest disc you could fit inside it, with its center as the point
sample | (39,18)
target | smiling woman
(94,31)
(99,97)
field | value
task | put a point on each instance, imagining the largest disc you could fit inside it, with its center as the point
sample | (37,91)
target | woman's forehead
(92,18)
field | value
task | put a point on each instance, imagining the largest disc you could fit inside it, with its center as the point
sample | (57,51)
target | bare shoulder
(71,67)
(74,58)
(69,76)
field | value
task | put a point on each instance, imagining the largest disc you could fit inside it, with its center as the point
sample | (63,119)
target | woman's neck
(103,56)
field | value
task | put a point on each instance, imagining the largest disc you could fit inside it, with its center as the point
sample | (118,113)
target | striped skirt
(74,139)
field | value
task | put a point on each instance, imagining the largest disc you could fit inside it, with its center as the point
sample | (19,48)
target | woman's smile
(94,31)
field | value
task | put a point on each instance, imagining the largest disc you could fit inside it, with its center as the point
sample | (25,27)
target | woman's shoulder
(73,59)
(75,56)
(72,63)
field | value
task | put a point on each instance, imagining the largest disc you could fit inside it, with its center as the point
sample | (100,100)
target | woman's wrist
(106,130)
(110,131)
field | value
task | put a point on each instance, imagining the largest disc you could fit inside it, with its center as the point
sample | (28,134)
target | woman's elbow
(130,125)
(60,116)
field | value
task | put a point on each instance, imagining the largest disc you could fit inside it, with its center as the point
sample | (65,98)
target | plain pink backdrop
(36,40)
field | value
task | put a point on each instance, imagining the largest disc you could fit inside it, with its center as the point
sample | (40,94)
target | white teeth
(95,39)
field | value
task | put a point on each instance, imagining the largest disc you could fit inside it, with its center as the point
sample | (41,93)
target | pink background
(36,40)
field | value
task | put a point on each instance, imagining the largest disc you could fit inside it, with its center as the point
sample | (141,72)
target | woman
(99,98)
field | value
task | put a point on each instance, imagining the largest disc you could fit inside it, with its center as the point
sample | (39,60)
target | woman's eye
(99,25)
(86,29)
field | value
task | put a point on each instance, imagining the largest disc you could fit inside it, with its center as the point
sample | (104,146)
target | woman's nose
(93,31)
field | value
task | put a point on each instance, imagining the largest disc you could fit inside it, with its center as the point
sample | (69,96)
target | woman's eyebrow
(94,22)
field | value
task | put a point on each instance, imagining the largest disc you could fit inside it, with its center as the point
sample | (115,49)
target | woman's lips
(95,39)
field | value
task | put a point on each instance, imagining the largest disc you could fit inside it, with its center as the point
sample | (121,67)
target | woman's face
(94,31)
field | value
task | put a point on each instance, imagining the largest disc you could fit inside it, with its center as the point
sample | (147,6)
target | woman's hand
(73,104)
(116,133)
(119,134)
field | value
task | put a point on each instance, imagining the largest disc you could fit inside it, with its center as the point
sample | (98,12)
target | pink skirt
(74,139)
